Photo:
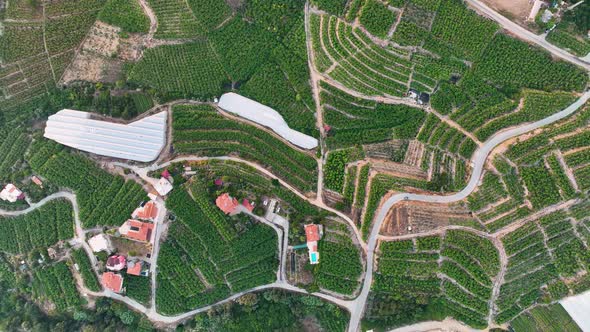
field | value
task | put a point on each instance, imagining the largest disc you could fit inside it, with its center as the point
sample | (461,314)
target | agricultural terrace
(448,275)
(341,268)
(202,130)
(38,45)
(104,199)
(209,256)
(259,52)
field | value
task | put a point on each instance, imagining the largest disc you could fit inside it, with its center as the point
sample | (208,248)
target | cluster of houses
(141,229)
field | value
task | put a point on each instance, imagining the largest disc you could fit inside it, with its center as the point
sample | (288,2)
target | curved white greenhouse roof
(266,116)
(578,308)
(141,140)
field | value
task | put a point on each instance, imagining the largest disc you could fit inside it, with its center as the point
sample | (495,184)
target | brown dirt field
(421,217)
(514,9)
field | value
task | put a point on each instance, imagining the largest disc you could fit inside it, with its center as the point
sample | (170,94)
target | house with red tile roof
(112,281)
(137,230)
(147,212)
(134,267)
(226,203)
(37,181)
(313,233)
(116,263)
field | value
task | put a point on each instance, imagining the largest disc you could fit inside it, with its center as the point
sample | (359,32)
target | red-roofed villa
(147,212)
(112,281)
(116,263)
(137,230)
(313,233)
(246,203)
(226,203)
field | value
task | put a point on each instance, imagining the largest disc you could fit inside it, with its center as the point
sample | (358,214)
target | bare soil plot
(417,217)
(516,10)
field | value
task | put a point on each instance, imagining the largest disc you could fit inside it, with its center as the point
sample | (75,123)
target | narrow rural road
(478,162)
(526,35)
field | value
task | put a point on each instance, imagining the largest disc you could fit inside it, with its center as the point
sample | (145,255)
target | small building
(313,233)
(116,263)
(149,211)
(413,93)
(546,16)
(247,205)
(137,230)
(424,98)
(166,174)
(153,195)
(163,187)
(112,281)
(137,268)
(11,193)
(219,182)
(226,203)
(37,181)
(99,243)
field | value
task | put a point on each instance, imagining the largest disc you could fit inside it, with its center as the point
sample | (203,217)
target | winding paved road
(525,34)
(478,161)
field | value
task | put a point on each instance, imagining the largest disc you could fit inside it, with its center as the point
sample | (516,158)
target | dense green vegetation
(272,310)
(56,283)
(138,288)
(199,241)
(336,165)
(551,318)
(202,130)
(80,257)
(40,228)
(340,264)
(126,14)
(104,199)
(377,18)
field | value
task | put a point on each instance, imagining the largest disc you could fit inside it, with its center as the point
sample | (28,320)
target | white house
(11,193)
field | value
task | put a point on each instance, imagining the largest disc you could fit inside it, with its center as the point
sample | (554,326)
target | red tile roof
(140,231)
(112,281)
(247,205)
(37,181)
(148,212)
(134,268)
(226,203)
(312,232)
(166,174)
(219,182)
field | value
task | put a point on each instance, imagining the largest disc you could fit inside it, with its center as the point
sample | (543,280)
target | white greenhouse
(266,116)
(141,140)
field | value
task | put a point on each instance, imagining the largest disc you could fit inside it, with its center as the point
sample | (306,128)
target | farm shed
(141,140)
(266,116)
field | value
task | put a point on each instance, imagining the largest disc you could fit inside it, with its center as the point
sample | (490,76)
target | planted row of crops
(138,288)
(353,121)
(201,130)
(465,288)
(340,264)
(12,150)
(125,14)
(335,167)
(40,228)
(80,257)
(197,261)
(104,199)
(56,284)
(437,133)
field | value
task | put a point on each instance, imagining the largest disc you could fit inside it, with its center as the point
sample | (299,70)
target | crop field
(138,288)
(104,199)
(30,69)
(202,130)
(355,121)
(340,265)
(552,318)
(204,261)
(80,257)
(465,262)
(56,284)
(126,14)
(577,45)
(41,228)
(334,173)
(540,252)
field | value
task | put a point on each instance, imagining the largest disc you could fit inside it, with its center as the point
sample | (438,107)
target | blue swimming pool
(313,257)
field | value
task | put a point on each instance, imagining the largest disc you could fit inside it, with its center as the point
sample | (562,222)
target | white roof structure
(10,193)
(99,243)
(578,308)
(141,140)
(266,116)
(163,186)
